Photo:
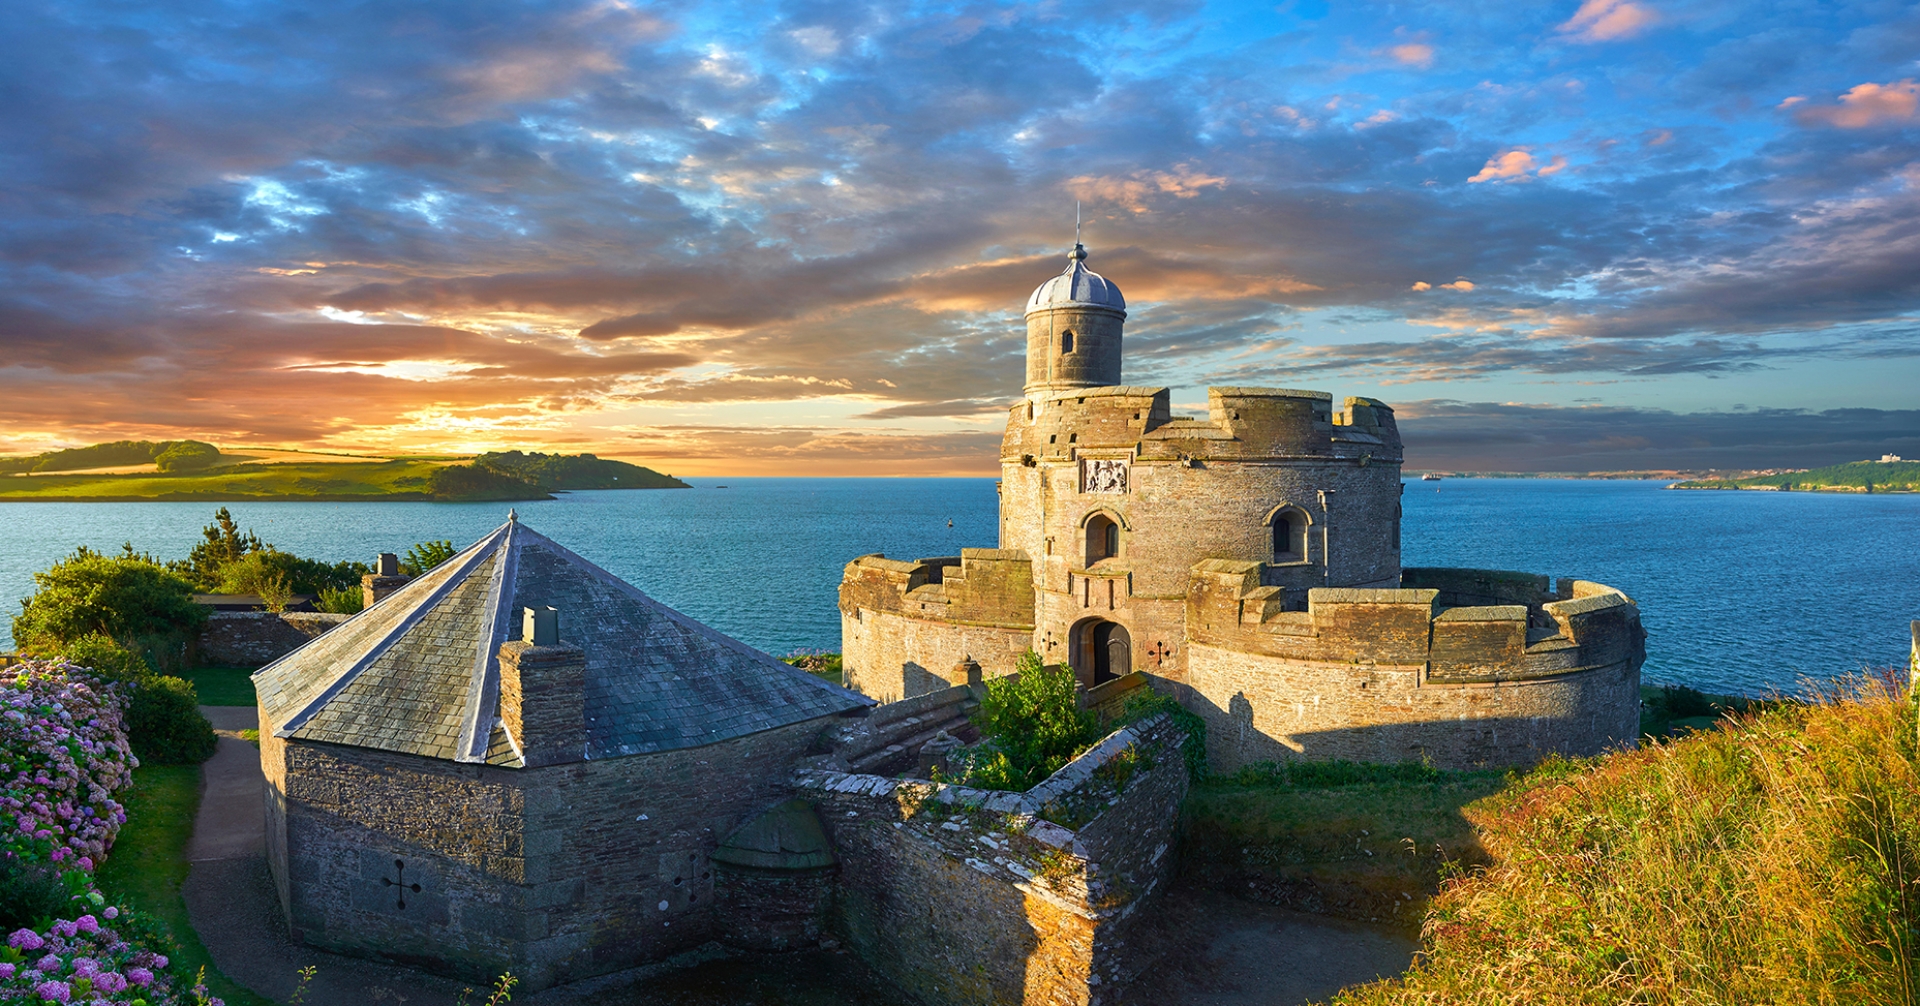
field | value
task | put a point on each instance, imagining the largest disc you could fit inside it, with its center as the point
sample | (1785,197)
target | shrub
(163,718)
(225,544)
(165,724)
(342,600)
(270,572)
(125,597)
(1033,725)
(31,894)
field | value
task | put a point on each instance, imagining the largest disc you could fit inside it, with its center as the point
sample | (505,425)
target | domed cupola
(1077,286)
(1074,324)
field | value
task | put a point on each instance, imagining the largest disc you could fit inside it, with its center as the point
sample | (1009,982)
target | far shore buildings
(519,762)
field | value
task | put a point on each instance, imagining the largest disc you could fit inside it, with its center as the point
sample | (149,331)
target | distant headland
(191,470)
(1890,474)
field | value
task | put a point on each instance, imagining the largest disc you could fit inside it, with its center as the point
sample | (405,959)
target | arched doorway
(1102,651)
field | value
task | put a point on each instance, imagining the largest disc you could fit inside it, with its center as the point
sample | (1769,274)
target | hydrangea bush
(63,756)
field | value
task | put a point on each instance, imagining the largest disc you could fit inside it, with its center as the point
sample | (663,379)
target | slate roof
(419,672)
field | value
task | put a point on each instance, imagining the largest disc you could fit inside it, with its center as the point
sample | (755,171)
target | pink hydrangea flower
(58,992)
(139,977)
(6,971)
(111,913)
(87,924)
(25,939)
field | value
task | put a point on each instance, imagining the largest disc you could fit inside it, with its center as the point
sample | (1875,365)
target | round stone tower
(1073,329)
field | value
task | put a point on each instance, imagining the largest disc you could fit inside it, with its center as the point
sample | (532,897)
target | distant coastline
(1889,475)
(291,476)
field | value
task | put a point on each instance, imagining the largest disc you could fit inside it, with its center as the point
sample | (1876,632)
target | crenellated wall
(907,628)
(1395,675)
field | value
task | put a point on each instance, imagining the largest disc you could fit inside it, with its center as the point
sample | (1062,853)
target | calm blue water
(1740,592)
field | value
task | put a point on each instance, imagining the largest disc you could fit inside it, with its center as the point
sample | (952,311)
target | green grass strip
(148,864)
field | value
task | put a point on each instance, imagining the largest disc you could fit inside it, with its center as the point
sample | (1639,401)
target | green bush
(342,600)
(124,597)
(264,570)
(163,718)
(31,895)
(1033,725)
(164,724)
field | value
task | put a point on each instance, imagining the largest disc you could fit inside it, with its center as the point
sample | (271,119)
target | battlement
(1241,423)
(980,586)
(1461,626)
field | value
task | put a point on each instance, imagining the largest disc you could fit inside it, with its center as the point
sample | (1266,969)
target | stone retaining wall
(258,638)
(973,897)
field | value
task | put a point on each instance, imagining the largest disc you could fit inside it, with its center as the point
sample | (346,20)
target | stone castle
(518,762)
(1248,562)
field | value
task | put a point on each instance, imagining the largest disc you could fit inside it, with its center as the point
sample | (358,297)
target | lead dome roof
(1077,285)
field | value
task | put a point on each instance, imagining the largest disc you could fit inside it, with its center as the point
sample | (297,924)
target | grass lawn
(1335,838)
(148,863)
(222,686)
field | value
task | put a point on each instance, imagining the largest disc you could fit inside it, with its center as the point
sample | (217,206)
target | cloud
(1863,106)
(1516,165)
(1607,21)
(1136,189)
(1418,55)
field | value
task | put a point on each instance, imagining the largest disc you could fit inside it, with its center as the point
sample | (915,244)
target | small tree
(128,597)
(1033,724)
(187,456)
(225,544)
(426,555)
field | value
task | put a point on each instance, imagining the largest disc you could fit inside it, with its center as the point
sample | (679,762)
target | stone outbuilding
(517,761)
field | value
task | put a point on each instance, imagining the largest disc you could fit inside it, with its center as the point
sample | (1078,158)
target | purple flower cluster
(63,754)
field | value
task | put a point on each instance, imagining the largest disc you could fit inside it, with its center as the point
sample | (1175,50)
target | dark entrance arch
(1103,651)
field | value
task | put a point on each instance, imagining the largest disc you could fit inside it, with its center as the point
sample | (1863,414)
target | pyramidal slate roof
(419,671)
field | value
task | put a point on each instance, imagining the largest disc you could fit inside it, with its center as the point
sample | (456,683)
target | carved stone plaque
(1103,475)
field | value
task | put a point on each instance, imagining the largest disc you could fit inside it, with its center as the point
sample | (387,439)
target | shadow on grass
(1358,841)
(148,864)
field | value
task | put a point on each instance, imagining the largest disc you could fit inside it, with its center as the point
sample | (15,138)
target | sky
(795,238)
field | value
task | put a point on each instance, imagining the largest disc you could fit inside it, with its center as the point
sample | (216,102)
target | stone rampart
(974,897)
(257,638)
(1394,675)
(907,628)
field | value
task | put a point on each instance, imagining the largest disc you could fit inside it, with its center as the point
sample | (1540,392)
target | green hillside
(1775,859)
(577,471)
(1857,476)
(171,455)
(403,479)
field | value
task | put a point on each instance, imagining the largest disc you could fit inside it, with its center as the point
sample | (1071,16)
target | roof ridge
(478,552)
(483,692)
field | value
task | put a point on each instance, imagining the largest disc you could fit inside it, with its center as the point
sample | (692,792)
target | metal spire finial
(1079,253)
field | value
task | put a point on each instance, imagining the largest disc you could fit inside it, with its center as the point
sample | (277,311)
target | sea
(1741,592)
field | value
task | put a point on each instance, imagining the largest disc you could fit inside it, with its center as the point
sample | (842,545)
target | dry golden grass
(1772,861)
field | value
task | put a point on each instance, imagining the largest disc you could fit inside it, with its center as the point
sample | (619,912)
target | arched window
(1066,341)
(1103,538)
(1289,535)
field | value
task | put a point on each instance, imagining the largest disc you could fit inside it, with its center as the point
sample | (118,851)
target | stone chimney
(543,687)
(384,580)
